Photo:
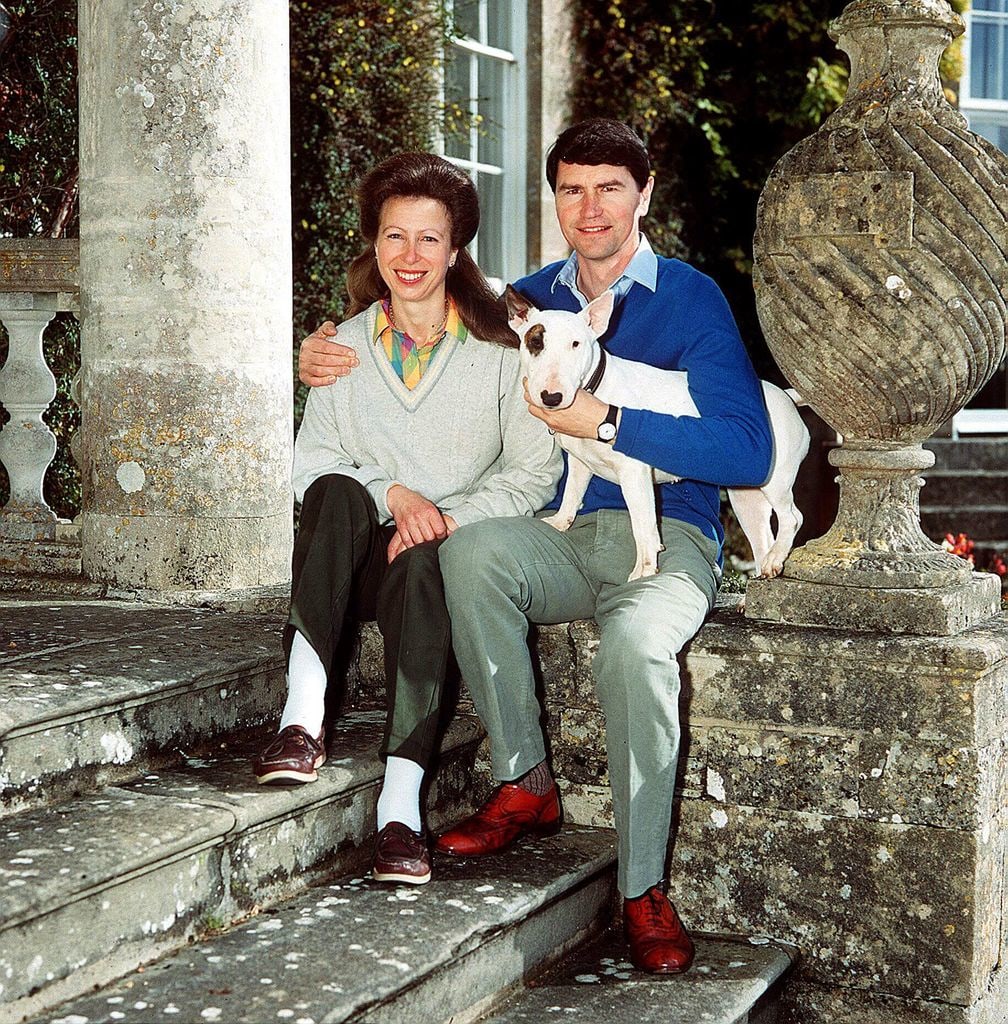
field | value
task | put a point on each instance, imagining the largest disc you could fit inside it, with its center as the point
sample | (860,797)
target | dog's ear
(598,312)
(518,306)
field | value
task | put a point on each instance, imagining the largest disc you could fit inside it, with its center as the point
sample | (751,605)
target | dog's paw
(772,566)
(643,569)
(558,522)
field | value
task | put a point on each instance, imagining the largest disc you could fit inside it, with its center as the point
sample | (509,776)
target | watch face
(606,431)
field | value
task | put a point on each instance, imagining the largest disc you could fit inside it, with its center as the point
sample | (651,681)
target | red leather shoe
(658,942)
(507,816)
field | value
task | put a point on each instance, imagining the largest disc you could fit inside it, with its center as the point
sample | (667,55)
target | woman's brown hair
(425,176)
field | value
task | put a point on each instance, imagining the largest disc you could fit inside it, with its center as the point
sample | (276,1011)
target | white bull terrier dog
(560,353)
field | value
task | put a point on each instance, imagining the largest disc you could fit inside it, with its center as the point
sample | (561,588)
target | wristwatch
(607,428)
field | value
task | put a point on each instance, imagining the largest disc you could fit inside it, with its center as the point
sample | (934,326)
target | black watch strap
(607,428)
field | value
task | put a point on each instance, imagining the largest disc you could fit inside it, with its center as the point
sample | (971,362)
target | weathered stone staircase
(967,491)
(132,830)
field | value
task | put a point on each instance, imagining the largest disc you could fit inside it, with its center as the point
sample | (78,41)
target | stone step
(968,488)
(990,454)
(732,981)
(982,524)
(35,563)
(94,692)
(359,951)
(93,887)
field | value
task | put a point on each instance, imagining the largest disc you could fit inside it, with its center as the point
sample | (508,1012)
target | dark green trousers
(340,574)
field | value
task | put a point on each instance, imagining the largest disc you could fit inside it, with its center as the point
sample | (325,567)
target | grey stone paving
(344,951)
(137,699)
(92,691)
(598,984)
(105,881)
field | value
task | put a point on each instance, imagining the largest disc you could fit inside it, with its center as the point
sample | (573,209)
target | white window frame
(980,421)
(981,105)
(514,126)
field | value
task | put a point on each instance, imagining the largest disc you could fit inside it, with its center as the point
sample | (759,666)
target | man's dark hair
(600,140)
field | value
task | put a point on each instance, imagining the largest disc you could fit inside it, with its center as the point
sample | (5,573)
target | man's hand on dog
(322,359)
(580,419)
(417,520)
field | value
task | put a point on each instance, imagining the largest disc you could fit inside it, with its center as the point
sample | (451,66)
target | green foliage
(61,345)
(827,85)
(38,156)
(38,116)
(364,85)
(951,65)
(719,93)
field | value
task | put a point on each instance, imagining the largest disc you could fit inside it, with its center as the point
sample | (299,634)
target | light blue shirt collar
(642,269)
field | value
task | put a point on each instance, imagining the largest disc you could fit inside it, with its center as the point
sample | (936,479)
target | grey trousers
(501,574)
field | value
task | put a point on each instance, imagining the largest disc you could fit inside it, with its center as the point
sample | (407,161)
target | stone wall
(847,792)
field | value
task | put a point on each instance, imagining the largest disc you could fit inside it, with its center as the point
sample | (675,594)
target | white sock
(400,795)
(306,687)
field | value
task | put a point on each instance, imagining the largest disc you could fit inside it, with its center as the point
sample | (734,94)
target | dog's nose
(551,399)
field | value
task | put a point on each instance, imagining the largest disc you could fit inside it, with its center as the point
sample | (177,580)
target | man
(502,574)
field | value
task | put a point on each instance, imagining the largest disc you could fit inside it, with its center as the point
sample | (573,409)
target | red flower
(959,545)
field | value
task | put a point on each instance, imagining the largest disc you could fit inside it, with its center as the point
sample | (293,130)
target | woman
(429,432)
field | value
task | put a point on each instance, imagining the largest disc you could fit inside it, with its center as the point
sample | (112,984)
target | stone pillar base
(191,558)
(931,611)
(847,792)
(803,1003)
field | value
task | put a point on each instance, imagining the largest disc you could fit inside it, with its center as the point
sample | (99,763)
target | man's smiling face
(599,208)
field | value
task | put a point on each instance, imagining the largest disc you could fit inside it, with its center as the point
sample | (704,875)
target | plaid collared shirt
(409,358)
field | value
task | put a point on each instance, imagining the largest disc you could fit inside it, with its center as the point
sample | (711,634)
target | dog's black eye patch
(574,344)
(535,339)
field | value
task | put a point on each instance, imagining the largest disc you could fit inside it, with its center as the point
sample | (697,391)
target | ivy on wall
(719,92)
(38,117)
(364,85)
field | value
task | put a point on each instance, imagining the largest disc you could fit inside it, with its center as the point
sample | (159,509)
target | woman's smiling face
(414,248)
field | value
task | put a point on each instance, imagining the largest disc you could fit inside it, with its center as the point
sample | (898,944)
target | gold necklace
(435,328)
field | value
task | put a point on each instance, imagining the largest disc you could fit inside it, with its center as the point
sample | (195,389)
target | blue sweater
(684,325)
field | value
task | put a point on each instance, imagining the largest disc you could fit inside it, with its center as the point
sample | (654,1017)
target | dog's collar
(596,378)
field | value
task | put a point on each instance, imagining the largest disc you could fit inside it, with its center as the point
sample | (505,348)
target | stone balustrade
(38,279)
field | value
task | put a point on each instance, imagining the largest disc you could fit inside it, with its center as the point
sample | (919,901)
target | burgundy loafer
(401,855)
(291,756)
(658,941)
(507,816)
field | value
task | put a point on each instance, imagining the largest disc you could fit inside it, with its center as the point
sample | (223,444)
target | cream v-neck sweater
(463,437)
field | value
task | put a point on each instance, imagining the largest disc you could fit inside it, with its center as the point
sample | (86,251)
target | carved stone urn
(881,282)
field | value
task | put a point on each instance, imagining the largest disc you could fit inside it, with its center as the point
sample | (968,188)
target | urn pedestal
(881,277)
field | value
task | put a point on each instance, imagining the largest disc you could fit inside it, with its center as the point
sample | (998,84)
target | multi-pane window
(984,91)
(484,130)
(983,98)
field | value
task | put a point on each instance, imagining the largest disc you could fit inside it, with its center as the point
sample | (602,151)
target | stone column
(185,294)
